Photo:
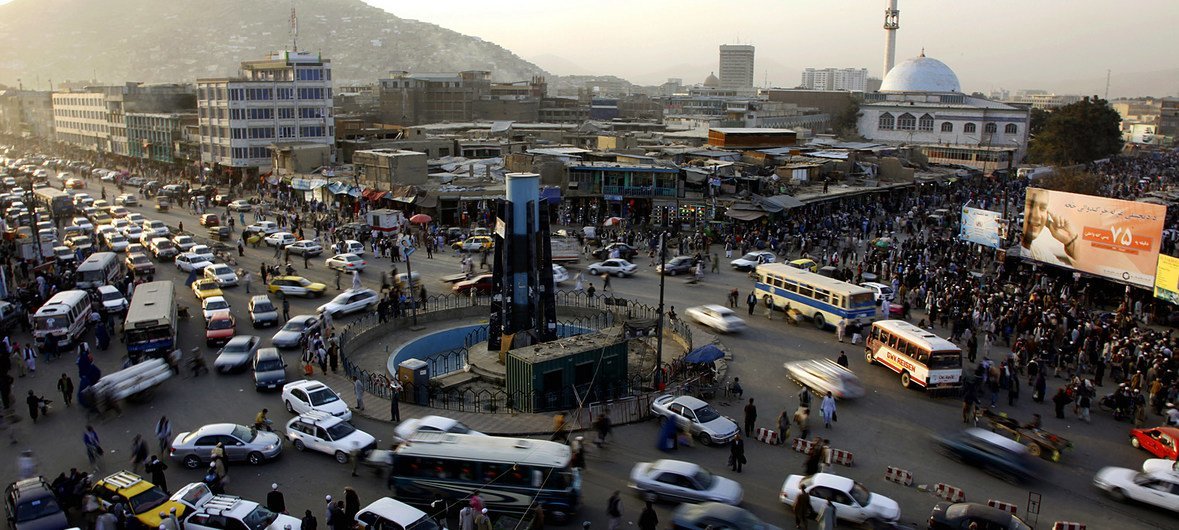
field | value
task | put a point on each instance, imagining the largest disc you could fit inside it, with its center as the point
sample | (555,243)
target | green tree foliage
(1072,180)
(846,123)
(1079,133)
(1038,118)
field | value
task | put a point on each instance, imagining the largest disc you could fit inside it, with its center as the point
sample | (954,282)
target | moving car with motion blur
(679,481)
(825,375)
(1160,489)
(853,502)
(957,516)
(717,317)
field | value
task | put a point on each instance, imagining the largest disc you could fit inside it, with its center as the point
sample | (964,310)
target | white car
(240,205)
(206,511)
(353,246)
(319,431)
(346,262)
(751,260)
(386,513)
(560,275)
(717,317)
(222,273)
(119,224)
(184,243)
(825,375)
(126,199)
(213,305)
(189,262)
(697,417)
(680,481)
(307,395)
(881,291)
(116,242)
(305,248)
(133,233)
(156,228)
(83,223)
(1154,465)
(616,267)
(136,218)
(409,427)
(853,502)
(280,239)
(112,299)
(1160,488)
(351,301)
(263,227)
(203,251)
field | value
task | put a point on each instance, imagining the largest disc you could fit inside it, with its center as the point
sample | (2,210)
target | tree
(1071,180)
(1079,133)
(1038,118)
(846,123)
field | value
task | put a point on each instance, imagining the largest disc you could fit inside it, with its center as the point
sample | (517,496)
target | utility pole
(657,379)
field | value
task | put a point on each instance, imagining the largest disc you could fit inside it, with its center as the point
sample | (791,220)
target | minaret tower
(892,18)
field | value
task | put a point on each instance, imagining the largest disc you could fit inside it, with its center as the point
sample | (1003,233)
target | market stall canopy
(745,215)
(785,201)
(704,354)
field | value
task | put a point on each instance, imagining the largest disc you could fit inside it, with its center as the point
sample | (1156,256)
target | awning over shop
(303,184)
(371,194)
(354,191)
(551,194)
(785,201)
(426,201)
(745,215)
(339,188)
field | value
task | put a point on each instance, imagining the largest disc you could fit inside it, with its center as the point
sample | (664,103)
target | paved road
(890,426)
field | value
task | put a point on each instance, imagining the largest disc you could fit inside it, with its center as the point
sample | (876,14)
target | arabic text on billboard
(1166,279)
(1107,237)
(980,226)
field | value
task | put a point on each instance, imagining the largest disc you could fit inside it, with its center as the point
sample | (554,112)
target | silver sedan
(194,449)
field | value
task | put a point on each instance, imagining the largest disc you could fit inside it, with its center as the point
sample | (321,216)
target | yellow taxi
(805,264)
(475,244)
(295,286)
(142,498)
(205,288)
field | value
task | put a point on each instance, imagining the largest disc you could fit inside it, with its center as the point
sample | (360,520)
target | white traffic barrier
(898,475)
(1065,525)
(949,493)
(768,436)
(1005,506)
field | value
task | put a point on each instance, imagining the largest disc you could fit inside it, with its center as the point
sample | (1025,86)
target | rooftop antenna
(294,30)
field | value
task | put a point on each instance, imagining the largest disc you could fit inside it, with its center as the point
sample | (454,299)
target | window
(925,123)
(286,131)
(309,74)
(310,93)
(991,128)
(1010,128)
(310,112)
(238,133)
(906,122)
(947,126)
(311,132)
(261,114)
(886,122)
(287,113)
(969,128)
(237,94)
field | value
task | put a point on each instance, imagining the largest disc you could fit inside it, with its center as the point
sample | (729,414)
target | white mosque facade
(920,103)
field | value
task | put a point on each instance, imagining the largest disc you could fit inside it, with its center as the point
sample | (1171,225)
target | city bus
(151,319)
(509,474)
(58,202)
(65,317)
(824,300)
(923,359)
(100,268)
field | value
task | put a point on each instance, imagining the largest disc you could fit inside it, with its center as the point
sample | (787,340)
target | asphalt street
(891,426)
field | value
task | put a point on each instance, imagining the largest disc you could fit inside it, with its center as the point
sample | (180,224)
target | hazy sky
(1063,45)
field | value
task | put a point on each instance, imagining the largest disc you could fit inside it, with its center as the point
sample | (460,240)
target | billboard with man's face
(1106,237)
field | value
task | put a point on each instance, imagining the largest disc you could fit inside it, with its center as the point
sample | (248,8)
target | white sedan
(350,301)
(213,305)
(680,481)
(280,239)
(183,243)
(853,502)
(1160,488)
(222,273)
(409,427)
(203,251)
(616,267)
(307,395)
(112,299)
(825,375)
(560,275)
(346,262)
(751,260)
(84,224)
(1153,465)
(717,317)
(240,205)
(116,242)
(305,248)
(189,262)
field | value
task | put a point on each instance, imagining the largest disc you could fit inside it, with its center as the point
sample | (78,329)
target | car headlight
(270,447)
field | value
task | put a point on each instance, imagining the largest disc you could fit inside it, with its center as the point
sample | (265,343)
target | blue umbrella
(704,354)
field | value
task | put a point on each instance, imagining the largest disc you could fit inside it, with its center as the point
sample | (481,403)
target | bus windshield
(50,323)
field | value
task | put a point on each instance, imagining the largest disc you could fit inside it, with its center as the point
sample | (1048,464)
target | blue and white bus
(824,300)
(151,319)
(511,475)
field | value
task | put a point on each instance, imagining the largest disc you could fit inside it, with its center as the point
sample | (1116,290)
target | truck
(564,249)
(386,221)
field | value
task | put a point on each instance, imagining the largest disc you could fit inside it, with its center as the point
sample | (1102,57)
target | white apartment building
(81,119)
(736,67)
(285,99)
(842,79)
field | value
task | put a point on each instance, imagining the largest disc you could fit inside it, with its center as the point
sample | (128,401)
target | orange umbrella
(420,219)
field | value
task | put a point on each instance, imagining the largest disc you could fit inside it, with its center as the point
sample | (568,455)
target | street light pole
(657,378)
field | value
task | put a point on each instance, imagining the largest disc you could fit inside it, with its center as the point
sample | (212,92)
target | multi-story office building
(736,67)
(849,79)
(26,112)
(157,136)
(1040,99)
(281,100)
(81,119)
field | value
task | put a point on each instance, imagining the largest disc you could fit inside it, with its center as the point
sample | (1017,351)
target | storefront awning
(551,194)
(426,201)
(371,194)
(307,184)
(745,215)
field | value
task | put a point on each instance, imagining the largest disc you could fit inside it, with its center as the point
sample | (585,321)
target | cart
(1040,443)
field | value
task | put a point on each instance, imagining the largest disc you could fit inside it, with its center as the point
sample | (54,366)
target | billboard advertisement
(1111,238)
(980,226)
(1166,279)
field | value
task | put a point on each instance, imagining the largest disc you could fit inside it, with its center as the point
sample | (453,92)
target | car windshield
(293,325)
(860,494)
(139,260)
(237,347)
(425,523)
(216,304)
(704,478)
(340,430)
(36,509)
(220,323)
(323,396)
(243,434)
(752,256)
(259,518)
(706,414)
(263,307)
(148,499)
(111,295)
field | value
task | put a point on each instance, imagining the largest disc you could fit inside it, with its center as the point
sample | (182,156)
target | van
(101,268)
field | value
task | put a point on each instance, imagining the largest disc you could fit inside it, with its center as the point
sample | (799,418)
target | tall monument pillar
(523,302)
(892,21)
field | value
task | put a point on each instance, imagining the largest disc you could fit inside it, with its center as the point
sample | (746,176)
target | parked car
(346,262)
(697,417)
(305,247)
(882,292)
(679,481)
(1160,489)
(1162,442)
(295,286)
(677,265)
(262,311)
(203,251)
(296,331)
(751,260)
(717,317)
(183,242)
(957,516)
(240,205)
(853,502)
(350,301)
(263,227)
(614,267)
(116,242)
(127,199)
(481,284)
(221,512)
(194,449)
(716,516)
(825,375)
(270,371)
(805,264)
(237,353)
(991,452)
(323,432)
(163,248)
(143,499)
(32,505)
(310,395)
(474,244)
(408,427)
